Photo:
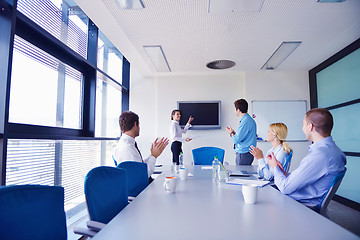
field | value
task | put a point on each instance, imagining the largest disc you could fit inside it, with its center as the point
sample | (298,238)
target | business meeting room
(179,119)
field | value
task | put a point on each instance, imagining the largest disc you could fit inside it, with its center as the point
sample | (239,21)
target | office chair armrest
(130,198)
(95,226)
(84,232)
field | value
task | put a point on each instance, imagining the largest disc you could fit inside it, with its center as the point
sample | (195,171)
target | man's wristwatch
(232,134)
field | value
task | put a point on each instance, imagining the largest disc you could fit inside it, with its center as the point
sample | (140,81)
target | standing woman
(276,135)
(176,134)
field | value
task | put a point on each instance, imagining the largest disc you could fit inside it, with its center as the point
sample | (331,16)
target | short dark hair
(127,120)
(322,119)
(242,105)
(173,112)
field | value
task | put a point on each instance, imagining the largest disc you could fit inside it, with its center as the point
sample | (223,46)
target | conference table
(201,209)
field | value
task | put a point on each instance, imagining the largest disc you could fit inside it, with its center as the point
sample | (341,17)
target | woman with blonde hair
(276,135)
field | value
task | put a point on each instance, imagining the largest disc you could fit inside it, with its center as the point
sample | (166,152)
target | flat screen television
(206,114)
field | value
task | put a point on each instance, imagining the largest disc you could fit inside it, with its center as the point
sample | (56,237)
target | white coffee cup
(250,193)
(170,184)
(183,173)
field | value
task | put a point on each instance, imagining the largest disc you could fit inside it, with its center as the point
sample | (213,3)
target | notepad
(193,137)
(238,181)
(206,167)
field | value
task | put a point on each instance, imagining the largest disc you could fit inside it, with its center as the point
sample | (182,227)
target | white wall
(200,88)
(154,99)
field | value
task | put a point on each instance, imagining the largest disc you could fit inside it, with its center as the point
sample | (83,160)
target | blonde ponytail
(286,147)
(280,130)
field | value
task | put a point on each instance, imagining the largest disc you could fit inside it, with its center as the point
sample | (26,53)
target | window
(349,187)
(339,82)
(62,19)
(109,58)
(56,162)
(55,96)
(44,91)
(108,109)
(334,85)
(346,132)
(108,91)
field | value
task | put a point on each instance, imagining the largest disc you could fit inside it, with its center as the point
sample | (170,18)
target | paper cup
(250,193)
(183,173)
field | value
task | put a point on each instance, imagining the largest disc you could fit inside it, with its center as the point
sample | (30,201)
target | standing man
(245,135)
(312,179)
(127,149)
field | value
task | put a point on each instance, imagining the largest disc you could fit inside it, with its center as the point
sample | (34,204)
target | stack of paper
(238,181)
(206,167)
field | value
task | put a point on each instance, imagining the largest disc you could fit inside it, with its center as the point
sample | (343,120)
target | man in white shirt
(127,149)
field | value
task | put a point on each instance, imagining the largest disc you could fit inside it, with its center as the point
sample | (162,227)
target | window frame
(16,23)
(314,102)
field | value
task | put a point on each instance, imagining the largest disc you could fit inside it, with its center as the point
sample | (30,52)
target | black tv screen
(206,114)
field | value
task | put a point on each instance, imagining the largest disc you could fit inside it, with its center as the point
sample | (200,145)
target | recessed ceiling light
(129,4)
(221,64)
(157,57)
(280,54)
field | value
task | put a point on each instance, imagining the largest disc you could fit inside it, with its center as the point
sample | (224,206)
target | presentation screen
(206,114)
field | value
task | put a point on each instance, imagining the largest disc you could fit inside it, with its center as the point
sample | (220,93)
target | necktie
(138,151)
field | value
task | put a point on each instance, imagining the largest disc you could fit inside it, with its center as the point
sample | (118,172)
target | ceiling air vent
(220,64)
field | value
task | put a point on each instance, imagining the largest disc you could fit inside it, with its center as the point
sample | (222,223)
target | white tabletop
(201,209)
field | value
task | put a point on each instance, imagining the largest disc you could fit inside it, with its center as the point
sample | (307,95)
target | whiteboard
(290,113)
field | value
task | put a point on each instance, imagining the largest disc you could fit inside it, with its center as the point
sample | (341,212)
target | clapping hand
(273,162)
(158,146)
(271,159)
(256,152)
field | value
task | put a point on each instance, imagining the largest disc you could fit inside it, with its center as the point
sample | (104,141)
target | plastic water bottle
(181,159)
(173,168)
(215,170)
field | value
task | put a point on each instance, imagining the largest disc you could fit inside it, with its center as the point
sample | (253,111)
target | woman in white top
(276,135)
(176,134)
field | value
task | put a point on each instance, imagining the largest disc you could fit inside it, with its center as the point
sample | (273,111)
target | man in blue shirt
(245,135)
(310,181)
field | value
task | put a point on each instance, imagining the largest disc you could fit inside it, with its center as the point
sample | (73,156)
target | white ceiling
(191,37)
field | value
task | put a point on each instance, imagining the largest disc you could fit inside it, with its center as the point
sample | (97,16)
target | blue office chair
(288,162)
(205,155)
(335,184)
(32,212)
(137,176)
(106,193)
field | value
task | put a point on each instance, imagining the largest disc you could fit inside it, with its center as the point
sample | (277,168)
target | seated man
(127,149)
(310,181)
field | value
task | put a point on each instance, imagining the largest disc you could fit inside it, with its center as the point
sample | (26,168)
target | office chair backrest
(205,155)
(32,212)
(288,162)
(106,192)
(335,184)
(137,176)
